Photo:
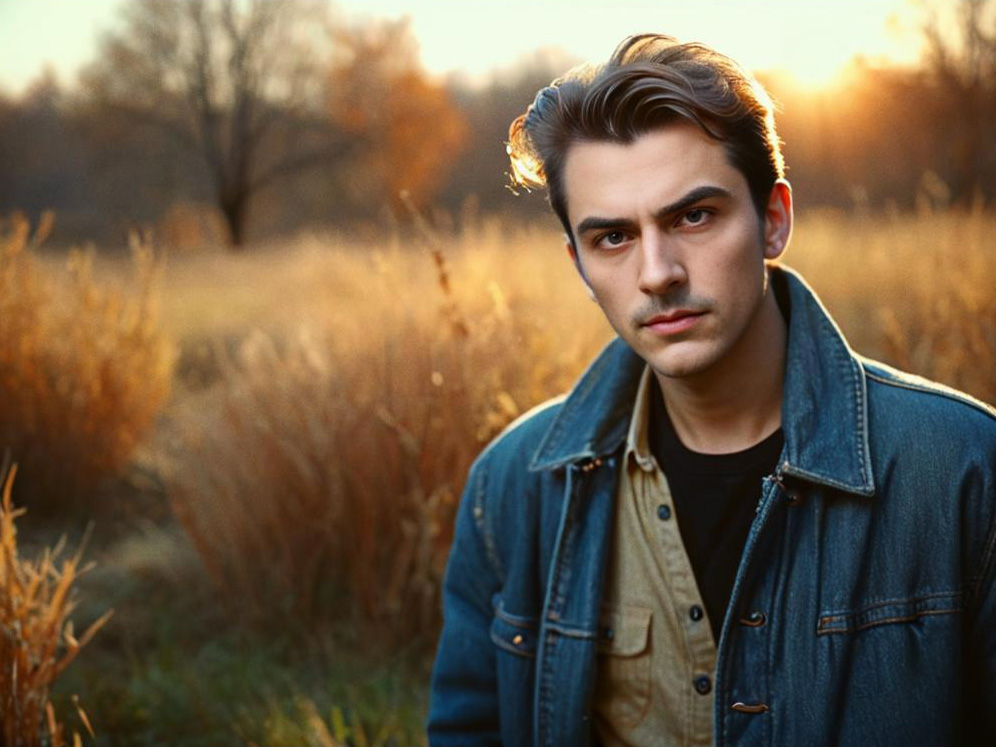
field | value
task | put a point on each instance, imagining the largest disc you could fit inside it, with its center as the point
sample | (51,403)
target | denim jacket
(864,607)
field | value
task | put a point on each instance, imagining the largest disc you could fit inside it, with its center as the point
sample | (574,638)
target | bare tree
(239,85)
(962,61)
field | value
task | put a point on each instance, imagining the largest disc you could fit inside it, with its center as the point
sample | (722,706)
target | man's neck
(738,402)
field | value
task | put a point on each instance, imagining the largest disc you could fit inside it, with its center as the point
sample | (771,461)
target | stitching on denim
(550,643)
(851,368)
(778,591)
(874,603)
(930,388)
(572,632)
(724,660)
(563,575)
(526,623)
(853,371)
(885,621)
(815,477)
(546,645)
(863,447)
(848,365)
(916,607)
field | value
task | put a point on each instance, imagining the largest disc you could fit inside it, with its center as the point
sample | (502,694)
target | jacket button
(663,512)
(695,613)
(703,685)
(517,640)
(754,620)
(752,708)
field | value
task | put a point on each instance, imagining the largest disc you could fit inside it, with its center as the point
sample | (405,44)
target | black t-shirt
(714,500)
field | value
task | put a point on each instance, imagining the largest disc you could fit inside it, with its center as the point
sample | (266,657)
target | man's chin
(679,364)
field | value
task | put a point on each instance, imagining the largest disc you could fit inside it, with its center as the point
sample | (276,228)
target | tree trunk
(234,211)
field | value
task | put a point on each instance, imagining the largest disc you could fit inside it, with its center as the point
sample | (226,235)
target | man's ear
(573,252)
(778,220)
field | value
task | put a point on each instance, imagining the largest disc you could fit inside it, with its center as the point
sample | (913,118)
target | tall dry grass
(915,290)
(84,368)
(319,477)
(37,640)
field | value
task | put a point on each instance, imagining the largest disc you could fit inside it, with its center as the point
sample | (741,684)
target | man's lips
(672,316)
(673,322)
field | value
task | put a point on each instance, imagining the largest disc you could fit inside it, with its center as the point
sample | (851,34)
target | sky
(813,41)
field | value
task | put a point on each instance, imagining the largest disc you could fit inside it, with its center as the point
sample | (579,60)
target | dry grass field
(326,401)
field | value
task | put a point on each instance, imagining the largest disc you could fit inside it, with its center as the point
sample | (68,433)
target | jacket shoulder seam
(925,386)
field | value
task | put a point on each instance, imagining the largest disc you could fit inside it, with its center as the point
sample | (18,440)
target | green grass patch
(172,669)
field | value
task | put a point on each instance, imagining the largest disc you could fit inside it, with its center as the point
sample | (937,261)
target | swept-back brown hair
(650,81)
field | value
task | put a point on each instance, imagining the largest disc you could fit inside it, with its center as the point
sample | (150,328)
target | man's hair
(650,81)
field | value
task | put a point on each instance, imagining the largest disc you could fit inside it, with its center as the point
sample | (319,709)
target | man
(734,530)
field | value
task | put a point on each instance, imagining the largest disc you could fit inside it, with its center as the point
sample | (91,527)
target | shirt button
(703,685)
(663,512)
(695,613)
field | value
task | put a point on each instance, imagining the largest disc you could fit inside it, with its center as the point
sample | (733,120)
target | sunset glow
(811,42)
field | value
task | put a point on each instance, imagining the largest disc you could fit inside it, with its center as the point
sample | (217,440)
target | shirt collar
(638,437)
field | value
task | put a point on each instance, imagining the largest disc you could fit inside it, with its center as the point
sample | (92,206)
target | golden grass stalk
(84,369)
(37,641)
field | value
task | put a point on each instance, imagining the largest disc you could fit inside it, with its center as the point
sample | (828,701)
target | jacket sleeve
(464,699)
(981,653)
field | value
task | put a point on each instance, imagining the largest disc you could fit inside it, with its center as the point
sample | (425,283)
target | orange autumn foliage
(414,129)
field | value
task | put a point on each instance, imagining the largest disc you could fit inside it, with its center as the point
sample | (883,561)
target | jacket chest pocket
(888,612)
(622,688)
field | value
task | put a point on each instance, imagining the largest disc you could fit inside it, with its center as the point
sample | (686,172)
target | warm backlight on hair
(527,170)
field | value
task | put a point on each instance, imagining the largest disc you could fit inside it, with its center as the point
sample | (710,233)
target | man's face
(671,246)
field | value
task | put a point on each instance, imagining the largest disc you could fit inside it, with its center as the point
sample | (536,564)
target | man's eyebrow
(684,202)
(697,194)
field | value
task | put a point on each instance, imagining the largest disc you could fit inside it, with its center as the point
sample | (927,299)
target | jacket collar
(825,415)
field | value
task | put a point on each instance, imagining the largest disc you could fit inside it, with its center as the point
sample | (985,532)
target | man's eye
(696,216)
(615,238)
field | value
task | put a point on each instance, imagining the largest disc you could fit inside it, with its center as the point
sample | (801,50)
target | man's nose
(661,264)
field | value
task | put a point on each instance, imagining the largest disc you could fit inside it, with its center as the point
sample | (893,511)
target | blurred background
(265,293)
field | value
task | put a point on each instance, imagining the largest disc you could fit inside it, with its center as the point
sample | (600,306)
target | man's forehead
(655,169)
